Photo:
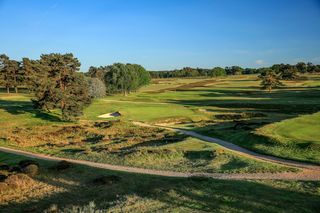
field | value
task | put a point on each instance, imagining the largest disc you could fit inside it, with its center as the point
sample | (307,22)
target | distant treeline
(186,72)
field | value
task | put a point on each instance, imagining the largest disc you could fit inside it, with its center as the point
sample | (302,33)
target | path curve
(306,174)
(238,149)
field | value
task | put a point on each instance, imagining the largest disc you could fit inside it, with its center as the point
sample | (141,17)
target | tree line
(56,82)
(121,78)
(186,72)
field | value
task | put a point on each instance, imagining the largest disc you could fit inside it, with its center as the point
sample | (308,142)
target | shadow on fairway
(23,107)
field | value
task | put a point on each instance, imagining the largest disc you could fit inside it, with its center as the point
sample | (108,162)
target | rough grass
(122,143)
(144,193)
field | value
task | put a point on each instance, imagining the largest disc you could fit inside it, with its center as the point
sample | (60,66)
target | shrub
(31,170)
(24,163)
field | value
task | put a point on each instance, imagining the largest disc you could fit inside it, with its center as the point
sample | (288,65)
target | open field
(232,108)
(80,185)
(283,123)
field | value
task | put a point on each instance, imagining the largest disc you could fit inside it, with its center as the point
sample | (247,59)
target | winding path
(237,149)
(307,171)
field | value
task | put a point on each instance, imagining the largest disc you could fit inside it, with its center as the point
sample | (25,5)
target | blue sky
(164,34)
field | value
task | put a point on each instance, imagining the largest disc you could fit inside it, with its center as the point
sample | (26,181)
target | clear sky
(164,34)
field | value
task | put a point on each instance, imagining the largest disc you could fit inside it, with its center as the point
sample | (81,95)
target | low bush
(31,170)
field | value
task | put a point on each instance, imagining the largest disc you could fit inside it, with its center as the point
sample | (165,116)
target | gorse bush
(31,170)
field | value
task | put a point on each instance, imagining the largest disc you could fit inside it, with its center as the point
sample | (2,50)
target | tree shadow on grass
(189,194)
(24,107)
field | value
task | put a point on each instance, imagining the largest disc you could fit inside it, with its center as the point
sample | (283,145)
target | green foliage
(11,74)
(97,72)
(125,78)
(270,80)
(56,84)
(218,71)
(234,70)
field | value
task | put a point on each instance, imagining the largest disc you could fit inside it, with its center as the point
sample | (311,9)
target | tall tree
(289,73)
(270,80)
(125,78)
(56,83)
(217,71)
(10,73)
(302,67)
(97,72)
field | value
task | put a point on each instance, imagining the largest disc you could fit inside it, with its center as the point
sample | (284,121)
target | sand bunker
(110,115)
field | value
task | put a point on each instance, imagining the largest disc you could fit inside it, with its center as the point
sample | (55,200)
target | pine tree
(55,82)
(270,80)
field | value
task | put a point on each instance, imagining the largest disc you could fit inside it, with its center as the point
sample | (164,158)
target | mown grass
(145,193)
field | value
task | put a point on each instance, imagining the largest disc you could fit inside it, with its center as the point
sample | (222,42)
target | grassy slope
(236,94)
(303,129)
(142,193)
